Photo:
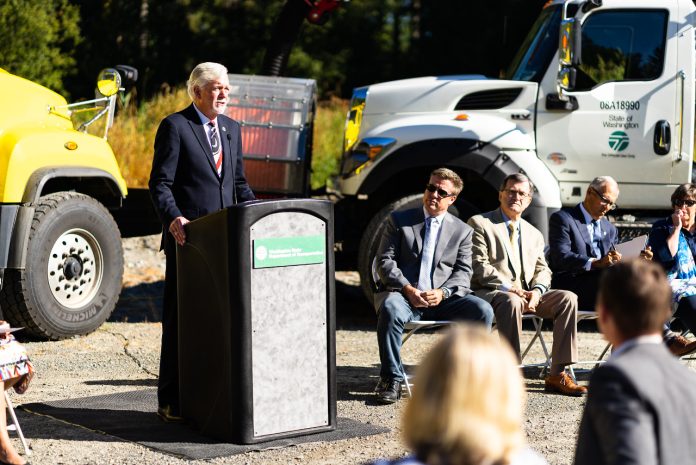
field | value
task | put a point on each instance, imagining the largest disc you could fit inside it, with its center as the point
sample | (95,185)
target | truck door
(627,85)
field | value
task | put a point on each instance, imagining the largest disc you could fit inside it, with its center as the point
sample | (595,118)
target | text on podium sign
(288,251)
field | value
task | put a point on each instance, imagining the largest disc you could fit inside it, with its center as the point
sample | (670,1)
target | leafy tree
(38,39)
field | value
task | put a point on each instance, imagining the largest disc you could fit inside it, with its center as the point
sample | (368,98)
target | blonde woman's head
(468,401)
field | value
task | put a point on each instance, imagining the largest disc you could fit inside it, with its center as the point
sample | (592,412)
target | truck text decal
(619,105)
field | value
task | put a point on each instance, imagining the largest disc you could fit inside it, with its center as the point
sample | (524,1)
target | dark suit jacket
(183,181)
(640,410)
(570,245)
(399,253)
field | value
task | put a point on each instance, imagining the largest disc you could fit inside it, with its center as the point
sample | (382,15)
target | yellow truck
(61,261)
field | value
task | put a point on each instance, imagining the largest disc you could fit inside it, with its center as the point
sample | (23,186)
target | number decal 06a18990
(619,105)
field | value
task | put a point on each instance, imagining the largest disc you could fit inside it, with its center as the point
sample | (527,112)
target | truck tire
(373,233)
(73,273)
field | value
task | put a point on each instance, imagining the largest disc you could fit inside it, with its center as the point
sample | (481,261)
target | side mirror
(566,79)
(108,82)
(569,52)
(569,43)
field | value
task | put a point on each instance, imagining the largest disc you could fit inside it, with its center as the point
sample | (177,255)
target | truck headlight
(354,118)
(365,153)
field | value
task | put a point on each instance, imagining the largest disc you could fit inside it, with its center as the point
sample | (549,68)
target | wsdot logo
(261,253)
(618,140)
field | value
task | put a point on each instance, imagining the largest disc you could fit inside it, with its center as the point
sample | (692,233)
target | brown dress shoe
(680,346)
(564,384)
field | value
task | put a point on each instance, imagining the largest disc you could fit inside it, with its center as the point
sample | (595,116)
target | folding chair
(15,425)
(409,330)
(582,316)
(538,322)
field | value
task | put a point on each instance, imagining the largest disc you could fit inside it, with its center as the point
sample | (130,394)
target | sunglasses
(432,188)
(682,202)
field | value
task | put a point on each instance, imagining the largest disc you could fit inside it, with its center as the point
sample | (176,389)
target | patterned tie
(515,255)
(596,239)
(217,148)
(425,282)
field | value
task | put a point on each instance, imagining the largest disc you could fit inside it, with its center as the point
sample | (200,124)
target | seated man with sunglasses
(424,268)
(582,240)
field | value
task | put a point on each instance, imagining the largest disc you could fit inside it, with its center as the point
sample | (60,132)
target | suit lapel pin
(224,129)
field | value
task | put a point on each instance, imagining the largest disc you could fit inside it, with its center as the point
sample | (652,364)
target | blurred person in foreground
(642,403)
(673,241)
(468,404)
(196,170)
(16,371)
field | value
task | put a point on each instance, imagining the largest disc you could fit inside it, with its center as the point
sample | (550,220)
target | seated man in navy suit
(581,242)
(424,262)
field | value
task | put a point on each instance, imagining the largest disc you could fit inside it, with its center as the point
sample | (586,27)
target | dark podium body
(257,321)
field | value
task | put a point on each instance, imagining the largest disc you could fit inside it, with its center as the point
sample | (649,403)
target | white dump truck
(598,87)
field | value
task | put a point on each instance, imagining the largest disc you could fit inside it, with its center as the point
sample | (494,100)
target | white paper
(632,248)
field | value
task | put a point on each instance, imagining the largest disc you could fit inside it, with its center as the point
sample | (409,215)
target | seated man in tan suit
(510,272)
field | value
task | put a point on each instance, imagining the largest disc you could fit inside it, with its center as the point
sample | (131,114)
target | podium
(256,294)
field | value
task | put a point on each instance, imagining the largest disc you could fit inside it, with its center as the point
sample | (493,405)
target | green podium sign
(288,251)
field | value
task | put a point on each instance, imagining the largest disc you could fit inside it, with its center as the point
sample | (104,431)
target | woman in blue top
(467,405)
(673,242)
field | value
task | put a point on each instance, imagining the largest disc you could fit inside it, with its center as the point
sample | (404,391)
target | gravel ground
(123,355)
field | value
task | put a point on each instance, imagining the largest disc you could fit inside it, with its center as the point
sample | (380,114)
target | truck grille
(488,99)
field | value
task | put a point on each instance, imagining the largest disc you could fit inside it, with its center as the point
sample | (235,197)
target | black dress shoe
(390,393)
(169,414)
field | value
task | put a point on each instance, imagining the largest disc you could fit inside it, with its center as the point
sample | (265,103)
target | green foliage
(38,39)
(328,141)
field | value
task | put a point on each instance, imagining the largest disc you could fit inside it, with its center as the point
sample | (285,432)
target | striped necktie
(216,147)
(515,252)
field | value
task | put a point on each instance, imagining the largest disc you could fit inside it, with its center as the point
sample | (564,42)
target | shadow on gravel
(356,383)
(141,303)
(122,382)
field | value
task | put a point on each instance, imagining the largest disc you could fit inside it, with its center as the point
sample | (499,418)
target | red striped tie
(216,147)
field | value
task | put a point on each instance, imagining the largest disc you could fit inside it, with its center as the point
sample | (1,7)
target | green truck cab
(61,260)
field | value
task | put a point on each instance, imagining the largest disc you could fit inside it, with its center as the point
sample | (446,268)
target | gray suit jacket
(399,253)
(640,410)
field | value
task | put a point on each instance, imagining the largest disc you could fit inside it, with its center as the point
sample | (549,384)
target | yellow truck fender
(25,151)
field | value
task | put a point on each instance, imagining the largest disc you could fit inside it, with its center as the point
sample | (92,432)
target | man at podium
(196,170)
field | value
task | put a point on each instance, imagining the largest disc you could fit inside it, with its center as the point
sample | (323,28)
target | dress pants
(585,285)
(396,311)
(561,306)
(686,312)
(168,382)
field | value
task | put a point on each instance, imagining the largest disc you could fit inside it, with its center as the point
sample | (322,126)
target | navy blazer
(570,245)
(183,180)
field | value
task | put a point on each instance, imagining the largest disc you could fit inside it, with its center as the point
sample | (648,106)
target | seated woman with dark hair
(16,371)
(673,242)
(467,405)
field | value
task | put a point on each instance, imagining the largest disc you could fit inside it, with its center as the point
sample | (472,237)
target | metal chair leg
(10,409)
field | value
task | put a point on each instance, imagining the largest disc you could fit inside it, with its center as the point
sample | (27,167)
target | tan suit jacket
(492,266)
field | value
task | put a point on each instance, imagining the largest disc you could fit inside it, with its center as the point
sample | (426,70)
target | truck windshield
(538,47)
